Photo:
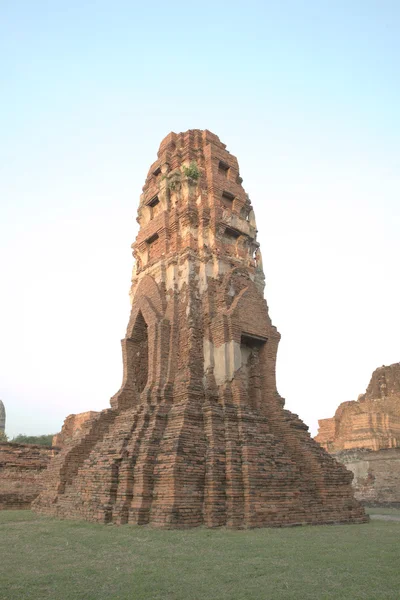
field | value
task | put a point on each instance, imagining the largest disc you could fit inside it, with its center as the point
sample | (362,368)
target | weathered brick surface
(376,475)
(71,428)
(364,435)
(197,434)
(372,421)
(21,466)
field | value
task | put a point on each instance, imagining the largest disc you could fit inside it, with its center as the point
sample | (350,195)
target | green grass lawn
(395,512)
(47,559)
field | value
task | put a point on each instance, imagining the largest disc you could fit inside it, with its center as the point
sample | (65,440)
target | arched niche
(139,341)
(146,298)
(140,346)
(249,312)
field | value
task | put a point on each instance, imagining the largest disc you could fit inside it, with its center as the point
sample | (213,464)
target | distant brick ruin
(364,435)
(21,467)
(2,418)
(198,434)
(372,421)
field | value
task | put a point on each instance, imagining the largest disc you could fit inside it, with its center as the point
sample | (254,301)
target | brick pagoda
(198,434)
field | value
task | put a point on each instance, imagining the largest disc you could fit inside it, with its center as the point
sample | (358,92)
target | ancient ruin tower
(197,434)
(2,417)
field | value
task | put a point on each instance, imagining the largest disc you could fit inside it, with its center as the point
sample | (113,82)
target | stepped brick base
(184,465)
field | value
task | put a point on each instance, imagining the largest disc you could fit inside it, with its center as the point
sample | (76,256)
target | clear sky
(305,93)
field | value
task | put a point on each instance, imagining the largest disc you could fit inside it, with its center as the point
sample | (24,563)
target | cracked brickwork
(198,434)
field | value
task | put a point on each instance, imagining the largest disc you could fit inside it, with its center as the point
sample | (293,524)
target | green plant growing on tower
(192,170)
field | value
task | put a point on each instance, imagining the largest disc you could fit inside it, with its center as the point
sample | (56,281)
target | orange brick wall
(371,422)
(21,466)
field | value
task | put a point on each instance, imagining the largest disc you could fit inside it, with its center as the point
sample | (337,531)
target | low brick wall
(21,466)
(376,475)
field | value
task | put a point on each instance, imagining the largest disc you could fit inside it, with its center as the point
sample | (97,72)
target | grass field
(395,512)
(47,559)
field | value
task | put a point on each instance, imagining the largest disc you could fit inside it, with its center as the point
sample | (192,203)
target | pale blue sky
(306,94)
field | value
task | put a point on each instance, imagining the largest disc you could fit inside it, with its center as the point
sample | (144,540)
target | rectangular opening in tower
(152,245)
(153,202)
(223,168)
(228,196)
(227,199)
(253,340)
(154,206)
(250,348)
(232,233)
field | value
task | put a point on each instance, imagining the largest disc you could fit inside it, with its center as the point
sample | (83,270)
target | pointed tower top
(193,203)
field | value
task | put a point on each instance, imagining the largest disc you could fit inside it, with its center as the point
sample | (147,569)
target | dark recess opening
(252,340)
(141,352)
(228,196)
(223,168)
(152,239)
(250,347)
(153,202)
(232,233)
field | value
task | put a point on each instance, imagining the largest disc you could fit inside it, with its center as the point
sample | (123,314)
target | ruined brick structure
(72,428)
(21,467)
(364,435)
(197,434)
(376,474)
(372,421)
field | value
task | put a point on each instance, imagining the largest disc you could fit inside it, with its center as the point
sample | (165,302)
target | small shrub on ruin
(191,171)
